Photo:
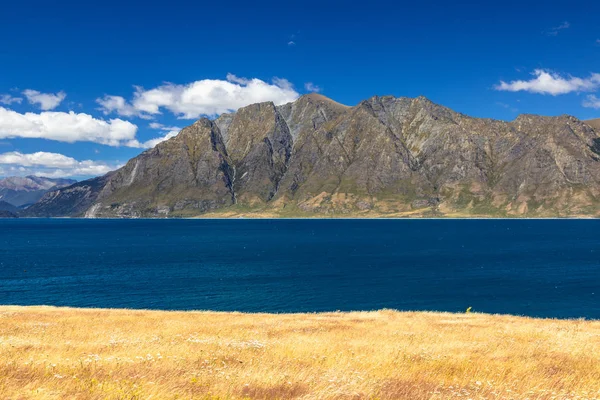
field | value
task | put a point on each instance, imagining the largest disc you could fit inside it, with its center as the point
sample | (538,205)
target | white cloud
(172,131)
(65,127)
(8,99)
(283,83)
(291,43)
(592,101)
(205,97)
(554,31)
(46,101)
(52,165)
(311,87)
(161,127)
(548,82)
(236,79)
(148,144)
(53,160)
(116,104)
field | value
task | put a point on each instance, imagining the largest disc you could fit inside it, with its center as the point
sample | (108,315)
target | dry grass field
(61,353)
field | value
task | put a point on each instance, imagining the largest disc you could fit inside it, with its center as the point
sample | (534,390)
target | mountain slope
(594,123)
(4,206)
(20,191)
(188,173)
(7,214)
(385,156)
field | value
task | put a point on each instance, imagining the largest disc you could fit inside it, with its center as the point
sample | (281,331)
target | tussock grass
(56,353)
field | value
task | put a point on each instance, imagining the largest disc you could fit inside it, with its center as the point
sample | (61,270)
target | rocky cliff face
(386,156)
(191,174)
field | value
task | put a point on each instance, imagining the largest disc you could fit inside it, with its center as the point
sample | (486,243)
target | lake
(543,268)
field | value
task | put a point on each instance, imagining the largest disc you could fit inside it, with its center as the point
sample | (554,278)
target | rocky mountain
(23,190)
(386,156)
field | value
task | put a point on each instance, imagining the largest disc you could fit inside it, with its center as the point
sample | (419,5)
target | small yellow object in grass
(468,310)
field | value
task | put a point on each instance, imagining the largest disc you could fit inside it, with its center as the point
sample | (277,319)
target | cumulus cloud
(548,82)
(592,101)
(171,131)
(284,84)
(53,160)
(161,127)
(555,30)
(205,97)
(8,99)
(118,104)
(311,87)
(52,165)
(236,79)
(148,144)
(46,101)
(65,127)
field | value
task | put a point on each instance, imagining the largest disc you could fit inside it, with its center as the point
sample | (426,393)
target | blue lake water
(548,268)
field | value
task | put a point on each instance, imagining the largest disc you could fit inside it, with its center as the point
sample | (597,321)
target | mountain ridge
(21,191)
(386,156)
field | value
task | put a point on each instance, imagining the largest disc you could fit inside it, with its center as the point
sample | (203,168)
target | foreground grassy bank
(51,353)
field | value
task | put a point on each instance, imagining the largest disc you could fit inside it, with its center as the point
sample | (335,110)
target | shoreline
(48,307)
(320,218)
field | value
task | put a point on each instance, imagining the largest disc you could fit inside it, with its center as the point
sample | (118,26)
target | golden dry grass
(52,353)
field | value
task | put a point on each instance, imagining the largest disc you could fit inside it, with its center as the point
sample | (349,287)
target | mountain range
(20,191)
(385,157)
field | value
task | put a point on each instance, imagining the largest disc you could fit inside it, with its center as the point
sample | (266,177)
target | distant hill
(4,206)
(7,214)
(25,190)
(384,157)
(594,123)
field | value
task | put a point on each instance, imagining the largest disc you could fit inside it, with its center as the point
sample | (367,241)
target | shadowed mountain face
(4,206)
(386,156)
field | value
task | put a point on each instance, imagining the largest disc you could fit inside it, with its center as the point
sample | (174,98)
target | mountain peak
(317,97)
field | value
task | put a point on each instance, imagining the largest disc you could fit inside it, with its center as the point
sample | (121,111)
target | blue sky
(84,87)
